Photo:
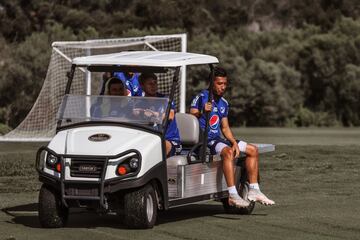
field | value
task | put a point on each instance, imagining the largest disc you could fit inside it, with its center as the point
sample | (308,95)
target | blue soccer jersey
(172,132)
(132,84)
(220,109)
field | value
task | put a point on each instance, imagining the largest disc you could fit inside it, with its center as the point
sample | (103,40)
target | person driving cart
(148,83)
(112,107)
(228,148)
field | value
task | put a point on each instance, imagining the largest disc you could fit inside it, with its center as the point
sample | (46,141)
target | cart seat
(189,129)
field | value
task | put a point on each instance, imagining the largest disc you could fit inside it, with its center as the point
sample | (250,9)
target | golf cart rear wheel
(52,213)
(140,208)
(243,192)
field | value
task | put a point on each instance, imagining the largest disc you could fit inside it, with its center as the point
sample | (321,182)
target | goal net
(40,123)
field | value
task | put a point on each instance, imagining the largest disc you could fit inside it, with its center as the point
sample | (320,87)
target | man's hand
(136,111)
(236,149)
(150,113)
(208,107)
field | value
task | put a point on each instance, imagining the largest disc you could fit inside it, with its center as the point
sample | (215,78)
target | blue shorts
(175,148)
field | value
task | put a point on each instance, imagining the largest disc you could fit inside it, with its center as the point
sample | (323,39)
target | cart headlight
(134,163)
(52,162)
(128,166)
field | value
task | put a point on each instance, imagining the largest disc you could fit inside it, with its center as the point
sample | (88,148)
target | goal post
(40,123)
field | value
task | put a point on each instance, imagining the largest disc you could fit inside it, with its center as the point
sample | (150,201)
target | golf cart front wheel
(52,213)
(140,208)
(243,192)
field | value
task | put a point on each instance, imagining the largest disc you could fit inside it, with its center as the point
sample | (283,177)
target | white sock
(232,190)
(254,186)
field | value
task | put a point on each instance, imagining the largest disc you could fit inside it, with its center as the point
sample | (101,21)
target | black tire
(52,213)
(140,208)
(243,191)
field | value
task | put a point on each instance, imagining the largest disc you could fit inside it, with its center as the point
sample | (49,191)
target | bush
(4,129)
(307,118)
(303,53)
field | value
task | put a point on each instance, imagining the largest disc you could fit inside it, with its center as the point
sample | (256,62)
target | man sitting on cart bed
(148,83)
(228,148)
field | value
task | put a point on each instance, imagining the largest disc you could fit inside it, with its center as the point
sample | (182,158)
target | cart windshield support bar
(70,76)
(207,115)
(171,98)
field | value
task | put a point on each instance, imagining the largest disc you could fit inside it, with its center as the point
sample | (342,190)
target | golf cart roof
(146,58)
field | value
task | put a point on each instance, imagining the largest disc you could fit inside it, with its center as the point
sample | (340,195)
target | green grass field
(313,176)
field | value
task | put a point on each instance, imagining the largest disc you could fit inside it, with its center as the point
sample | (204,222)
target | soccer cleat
(255,195)
(236,201)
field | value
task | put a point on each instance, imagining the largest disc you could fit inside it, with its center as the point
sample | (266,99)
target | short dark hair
(114,80)
(219,72)
(145,76)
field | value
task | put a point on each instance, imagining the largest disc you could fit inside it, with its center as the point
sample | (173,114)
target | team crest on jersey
(222,109)
(214,121)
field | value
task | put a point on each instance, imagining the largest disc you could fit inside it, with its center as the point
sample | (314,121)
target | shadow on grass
(27,215)
(32,207)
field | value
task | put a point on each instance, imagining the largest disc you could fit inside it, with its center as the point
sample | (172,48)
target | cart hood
(103,141)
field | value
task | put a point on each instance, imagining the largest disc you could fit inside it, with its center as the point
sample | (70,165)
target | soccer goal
(40,123)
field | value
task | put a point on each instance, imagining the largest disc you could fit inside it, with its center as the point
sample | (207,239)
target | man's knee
(252,150)
(227,153)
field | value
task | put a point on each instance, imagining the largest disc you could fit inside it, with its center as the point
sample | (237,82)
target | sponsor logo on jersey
(214,121)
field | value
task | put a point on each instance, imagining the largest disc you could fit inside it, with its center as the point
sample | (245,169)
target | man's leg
(168,147)
(228,169)
(228,165)
(252,168)
(172,148)
(252,163)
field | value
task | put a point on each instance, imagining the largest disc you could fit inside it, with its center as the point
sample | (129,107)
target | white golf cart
(116,163)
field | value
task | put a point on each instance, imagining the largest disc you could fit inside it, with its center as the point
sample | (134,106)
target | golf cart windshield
(147,111)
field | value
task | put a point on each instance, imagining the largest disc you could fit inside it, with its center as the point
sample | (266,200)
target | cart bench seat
(189,129)
(182,159)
